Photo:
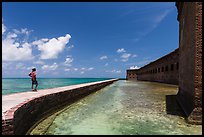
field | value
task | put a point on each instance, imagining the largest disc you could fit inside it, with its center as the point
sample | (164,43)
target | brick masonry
(131,74)
(190,60)
(186,61)
(164,70)
(19,119)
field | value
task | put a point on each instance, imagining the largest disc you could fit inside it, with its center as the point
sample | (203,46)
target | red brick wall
(164,70)
(131,74)
(198,59)
(190,59)
(18,120)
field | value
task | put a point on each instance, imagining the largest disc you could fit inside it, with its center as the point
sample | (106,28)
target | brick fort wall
(184,65)
(164,69)
(190,59)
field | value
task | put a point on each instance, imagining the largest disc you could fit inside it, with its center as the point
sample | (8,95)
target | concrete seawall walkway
(12,100)
(21,110)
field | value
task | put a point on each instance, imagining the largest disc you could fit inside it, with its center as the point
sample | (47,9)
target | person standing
(34,79)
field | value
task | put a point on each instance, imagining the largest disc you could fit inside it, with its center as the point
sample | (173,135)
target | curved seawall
(21,110)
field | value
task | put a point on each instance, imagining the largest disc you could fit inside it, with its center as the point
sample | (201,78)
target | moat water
(122,108)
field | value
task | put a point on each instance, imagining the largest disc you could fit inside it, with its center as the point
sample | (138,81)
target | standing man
(33,78)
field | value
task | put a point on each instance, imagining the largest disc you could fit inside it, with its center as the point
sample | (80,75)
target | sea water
(122,108)
(14,85)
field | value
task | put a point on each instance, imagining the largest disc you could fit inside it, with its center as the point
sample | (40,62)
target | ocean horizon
(16,85)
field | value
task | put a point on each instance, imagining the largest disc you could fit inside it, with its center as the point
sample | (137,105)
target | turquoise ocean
(14,85)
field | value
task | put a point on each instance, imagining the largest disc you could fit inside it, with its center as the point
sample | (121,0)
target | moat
(122,108)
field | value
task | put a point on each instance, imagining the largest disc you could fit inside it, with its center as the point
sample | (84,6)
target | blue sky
(85,39)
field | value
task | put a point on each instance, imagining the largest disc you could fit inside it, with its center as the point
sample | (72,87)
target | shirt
(33,76)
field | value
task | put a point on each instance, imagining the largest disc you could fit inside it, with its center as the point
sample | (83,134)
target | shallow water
(14,85)
(123,108)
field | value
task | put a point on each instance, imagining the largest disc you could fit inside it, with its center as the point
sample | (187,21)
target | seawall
(20,111)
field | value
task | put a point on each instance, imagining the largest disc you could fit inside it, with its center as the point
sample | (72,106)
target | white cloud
(67,69)
(106,64)
(3,28)
(12,50)
(25,31)
(22,31)
(114,71)
(82,72)
(103,57)
(30,68)
(70,47)
(39,62)
(125,57)
(83,68)
(87,69)
(90,68)
(20,66)
(121,50)
(50,48)
(40,42)
(156,21)
(50,67)
(160,17)
(68,61)
(11,35)
(134,55)
(75,69)
(134,67)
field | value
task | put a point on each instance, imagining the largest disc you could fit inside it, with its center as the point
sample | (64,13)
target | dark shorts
(35,82)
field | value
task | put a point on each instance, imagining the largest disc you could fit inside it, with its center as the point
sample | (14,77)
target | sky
(85,39)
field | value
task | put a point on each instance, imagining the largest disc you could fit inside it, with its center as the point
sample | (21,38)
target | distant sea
(14,85)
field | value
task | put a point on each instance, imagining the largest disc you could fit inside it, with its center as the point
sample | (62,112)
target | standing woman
(33,78)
